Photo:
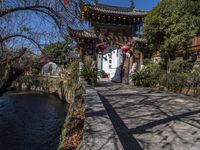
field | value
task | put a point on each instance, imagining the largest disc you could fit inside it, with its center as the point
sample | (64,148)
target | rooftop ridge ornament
(132,4)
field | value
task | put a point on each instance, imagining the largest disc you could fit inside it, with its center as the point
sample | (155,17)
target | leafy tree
(170,25)
(57,51)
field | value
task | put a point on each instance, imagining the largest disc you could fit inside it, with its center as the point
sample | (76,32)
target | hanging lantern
(66,2)
(102,47)
(125,48)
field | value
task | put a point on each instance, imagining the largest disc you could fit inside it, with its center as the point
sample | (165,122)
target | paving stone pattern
(99,133)
(149,119)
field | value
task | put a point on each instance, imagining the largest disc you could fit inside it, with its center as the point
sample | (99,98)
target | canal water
(30,121)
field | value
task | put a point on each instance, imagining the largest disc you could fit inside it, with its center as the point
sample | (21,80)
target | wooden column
(125,71)
(132,57)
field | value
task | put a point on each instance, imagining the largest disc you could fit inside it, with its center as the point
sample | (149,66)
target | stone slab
(99,133)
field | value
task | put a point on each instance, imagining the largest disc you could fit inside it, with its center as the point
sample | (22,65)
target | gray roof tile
(117,10)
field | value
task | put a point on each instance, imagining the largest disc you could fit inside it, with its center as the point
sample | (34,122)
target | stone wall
(62,88)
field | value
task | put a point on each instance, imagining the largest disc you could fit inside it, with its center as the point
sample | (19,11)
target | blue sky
(35,23)
(140,4)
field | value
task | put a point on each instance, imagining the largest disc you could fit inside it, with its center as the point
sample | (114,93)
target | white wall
(114,60)
(106,63)
(116,55)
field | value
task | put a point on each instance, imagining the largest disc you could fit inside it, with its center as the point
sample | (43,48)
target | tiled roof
(89,34)
(117,10)
(83,33)
(124,39)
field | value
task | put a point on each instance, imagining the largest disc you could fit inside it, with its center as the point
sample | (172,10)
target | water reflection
(30,121)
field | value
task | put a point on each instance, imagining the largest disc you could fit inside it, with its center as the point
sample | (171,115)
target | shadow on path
(127,140)
(150,119)
(141,129)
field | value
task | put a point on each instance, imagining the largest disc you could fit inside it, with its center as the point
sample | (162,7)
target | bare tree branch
(12,10)
(23,36)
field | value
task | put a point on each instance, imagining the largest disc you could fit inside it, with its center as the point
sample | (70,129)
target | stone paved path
(148,119)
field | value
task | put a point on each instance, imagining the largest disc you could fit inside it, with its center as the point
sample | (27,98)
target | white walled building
(110,61)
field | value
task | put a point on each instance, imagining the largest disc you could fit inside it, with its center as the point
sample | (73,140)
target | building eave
(82,33)
(116,10)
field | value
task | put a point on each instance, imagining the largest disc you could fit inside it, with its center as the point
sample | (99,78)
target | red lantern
(125,48)
(66,2)
(102,47)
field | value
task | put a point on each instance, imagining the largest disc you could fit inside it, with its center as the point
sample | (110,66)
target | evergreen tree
(170,26)
(57,51)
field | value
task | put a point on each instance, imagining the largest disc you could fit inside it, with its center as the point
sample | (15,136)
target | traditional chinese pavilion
(114,27)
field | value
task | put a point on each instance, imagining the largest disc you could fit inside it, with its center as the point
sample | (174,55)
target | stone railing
(99,133)
(61,87)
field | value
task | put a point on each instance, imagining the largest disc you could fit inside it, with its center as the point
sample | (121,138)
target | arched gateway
(114,27)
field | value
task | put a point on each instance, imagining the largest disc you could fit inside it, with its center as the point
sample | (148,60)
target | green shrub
(35,71)
(178,75)
(73,69)
(148,76)
(180,66)
(27,80)
(139,78)
(147,61)
(194,79)
(103,74)
(154,72)
(174,81)
(89,74)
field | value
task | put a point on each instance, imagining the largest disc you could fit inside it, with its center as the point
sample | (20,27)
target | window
(110,55)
